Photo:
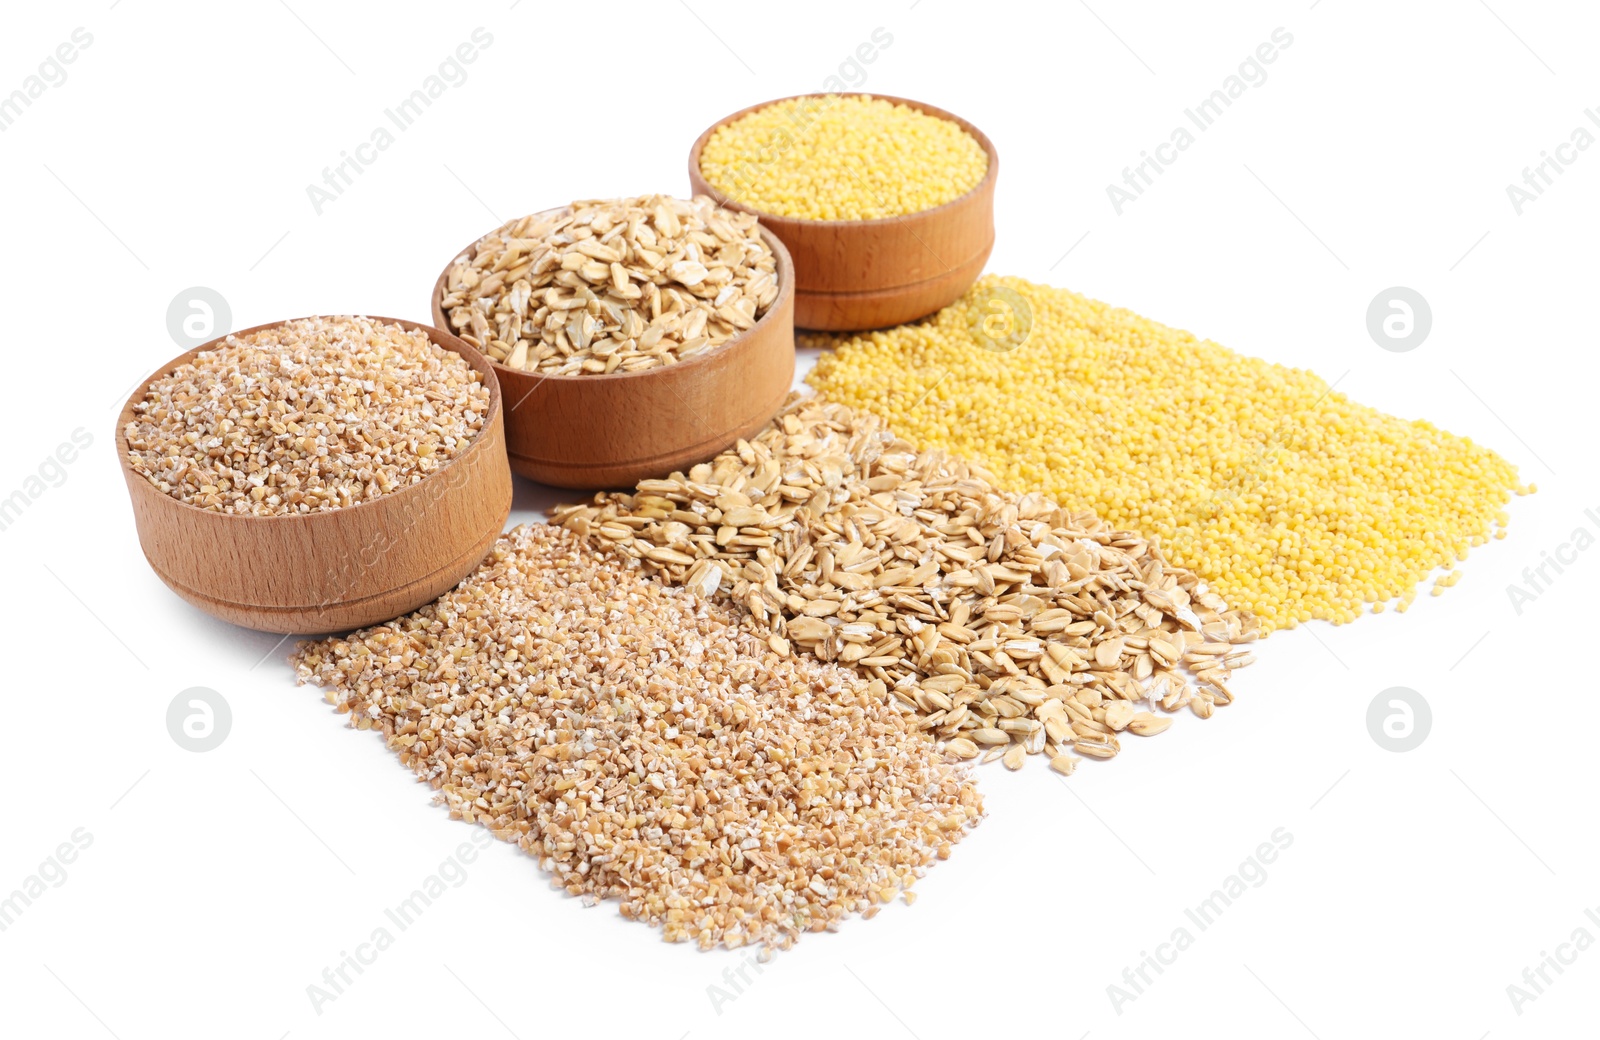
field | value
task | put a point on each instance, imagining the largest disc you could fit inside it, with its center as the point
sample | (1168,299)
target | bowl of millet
(885,204)
(317,474)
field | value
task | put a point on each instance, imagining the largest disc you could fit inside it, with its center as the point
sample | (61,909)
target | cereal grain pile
(842,157)
(996,620)
(647,746)
(313,414)
(1293,501)
(608,286)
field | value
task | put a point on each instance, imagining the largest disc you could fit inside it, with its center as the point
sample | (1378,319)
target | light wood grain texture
(870,274)
(612,431)
(340,569)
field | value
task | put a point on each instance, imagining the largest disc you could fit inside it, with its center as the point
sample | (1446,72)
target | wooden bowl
(334,570)
(869,274)
(592,432)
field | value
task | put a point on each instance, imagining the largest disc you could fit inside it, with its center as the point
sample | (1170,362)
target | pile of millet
(1292,500)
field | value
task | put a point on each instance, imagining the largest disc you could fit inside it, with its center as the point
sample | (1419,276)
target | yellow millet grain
(842,157)
(1293,501)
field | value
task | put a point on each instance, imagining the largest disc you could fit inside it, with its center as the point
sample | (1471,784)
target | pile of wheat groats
(1291,500)
(647,745)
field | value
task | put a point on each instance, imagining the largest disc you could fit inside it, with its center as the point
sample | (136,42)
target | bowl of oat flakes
(317,474)
(632,337)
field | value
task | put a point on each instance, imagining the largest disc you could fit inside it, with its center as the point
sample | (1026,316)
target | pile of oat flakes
(1003,624)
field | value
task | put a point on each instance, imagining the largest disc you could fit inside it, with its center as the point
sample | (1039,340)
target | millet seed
(1291,500)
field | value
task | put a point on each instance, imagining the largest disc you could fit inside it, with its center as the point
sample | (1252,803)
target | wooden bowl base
(345,615)
(880,308)
(622,476)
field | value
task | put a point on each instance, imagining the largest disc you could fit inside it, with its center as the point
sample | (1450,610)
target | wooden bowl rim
(455,344)
(785,289)
(921,106)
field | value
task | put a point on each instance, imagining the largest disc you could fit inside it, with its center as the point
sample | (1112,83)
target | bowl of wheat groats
(317,474)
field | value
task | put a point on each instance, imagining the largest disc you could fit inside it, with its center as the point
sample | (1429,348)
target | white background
(1377,153)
